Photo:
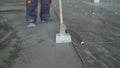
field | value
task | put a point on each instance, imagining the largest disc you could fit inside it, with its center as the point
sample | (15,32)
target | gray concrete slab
(39,47)
(98,25)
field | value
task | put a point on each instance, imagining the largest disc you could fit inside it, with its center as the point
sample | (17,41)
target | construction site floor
(95,24)
(22,47)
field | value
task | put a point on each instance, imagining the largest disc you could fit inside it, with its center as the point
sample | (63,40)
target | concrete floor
(38,47)
(97,24)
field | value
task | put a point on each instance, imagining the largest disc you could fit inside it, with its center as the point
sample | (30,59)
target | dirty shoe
(47,20)
(31,25)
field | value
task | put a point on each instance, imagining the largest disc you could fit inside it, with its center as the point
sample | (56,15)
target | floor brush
(62,37)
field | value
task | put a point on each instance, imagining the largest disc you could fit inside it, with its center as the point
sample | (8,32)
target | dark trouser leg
(31,10)
(45,9)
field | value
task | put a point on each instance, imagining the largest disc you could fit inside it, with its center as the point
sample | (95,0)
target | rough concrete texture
(98,25)
(9,44)
(38,47)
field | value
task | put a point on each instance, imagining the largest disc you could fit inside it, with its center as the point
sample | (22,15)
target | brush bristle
(63,38)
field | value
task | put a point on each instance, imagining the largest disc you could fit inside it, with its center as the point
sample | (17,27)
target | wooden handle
(60,10)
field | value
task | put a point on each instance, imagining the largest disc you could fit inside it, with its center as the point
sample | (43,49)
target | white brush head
(63,38)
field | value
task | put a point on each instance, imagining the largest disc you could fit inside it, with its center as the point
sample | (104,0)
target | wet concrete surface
(9,44)
(98,25)
(39,49)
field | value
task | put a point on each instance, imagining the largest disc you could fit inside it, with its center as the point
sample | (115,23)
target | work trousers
(31,10)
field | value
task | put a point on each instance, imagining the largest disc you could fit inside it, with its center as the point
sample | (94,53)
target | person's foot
(31,25)
(47,20)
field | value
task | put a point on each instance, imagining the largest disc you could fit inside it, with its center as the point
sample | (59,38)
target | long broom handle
(60,10)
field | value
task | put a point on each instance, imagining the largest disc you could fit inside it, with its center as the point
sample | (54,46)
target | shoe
(31,25)
(47,20)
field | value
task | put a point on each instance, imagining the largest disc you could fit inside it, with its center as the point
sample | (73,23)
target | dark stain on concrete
(10,45)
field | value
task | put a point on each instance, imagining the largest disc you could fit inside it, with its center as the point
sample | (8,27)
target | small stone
(82,42)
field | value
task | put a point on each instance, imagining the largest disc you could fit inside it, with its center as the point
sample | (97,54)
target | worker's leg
(45,9)
(31,10)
